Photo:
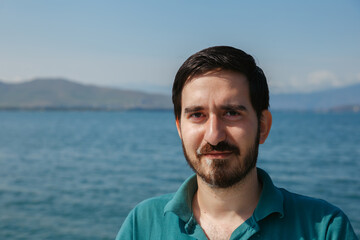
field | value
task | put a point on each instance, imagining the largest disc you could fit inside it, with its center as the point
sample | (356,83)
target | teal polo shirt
(278,215)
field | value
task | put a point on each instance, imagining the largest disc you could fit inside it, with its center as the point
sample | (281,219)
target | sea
(76,175)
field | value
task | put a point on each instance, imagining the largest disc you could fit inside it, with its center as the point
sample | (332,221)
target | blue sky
(302,46)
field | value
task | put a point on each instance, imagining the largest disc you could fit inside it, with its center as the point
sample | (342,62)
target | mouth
(217,154)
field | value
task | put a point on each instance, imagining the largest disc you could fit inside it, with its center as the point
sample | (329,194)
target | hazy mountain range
(336,99)
(62,94)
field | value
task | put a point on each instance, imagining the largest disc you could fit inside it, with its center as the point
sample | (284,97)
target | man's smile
(217,154)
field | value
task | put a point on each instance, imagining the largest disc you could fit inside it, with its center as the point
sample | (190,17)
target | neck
(236,202)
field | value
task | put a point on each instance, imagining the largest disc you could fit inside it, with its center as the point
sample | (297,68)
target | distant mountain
(65,94)
(337,98)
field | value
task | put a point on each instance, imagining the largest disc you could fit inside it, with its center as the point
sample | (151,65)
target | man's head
(220,101)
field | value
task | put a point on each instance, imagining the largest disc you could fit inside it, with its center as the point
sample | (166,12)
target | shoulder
(308,204)
(144,219)
(311,213)
(154,205)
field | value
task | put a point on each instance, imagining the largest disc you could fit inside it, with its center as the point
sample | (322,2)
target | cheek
(191,137)
(242,135)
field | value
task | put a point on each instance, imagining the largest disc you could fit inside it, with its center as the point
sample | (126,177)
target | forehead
(216,86)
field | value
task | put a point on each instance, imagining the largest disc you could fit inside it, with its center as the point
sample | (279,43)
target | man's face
(219,127)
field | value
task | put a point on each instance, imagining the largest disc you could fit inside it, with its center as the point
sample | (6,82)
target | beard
(223,174)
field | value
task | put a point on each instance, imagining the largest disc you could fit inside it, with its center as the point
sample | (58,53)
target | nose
(214,130)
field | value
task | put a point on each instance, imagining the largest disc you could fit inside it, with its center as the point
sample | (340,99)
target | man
(221,101)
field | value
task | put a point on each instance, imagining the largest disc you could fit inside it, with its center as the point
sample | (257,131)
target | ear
(178,127)
(265,125)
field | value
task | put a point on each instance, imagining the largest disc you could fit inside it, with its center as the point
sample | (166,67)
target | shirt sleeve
(126,231)
(340,228)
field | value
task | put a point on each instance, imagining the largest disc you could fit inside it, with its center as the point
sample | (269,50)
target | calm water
(76,175)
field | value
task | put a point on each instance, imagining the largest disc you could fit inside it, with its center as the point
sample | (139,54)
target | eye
(196,115)
(232,115)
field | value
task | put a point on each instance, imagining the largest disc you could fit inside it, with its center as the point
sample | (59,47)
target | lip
(217,155)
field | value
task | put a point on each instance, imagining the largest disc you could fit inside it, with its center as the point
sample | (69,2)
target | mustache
(220,147)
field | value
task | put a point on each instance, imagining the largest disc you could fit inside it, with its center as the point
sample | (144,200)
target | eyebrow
(192,109)
(234,107)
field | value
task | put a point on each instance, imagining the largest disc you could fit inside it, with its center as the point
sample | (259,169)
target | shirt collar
(271,199)
(181,203)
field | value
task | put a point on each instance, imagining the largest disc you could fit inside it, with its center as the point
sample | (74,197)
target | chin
(223,177)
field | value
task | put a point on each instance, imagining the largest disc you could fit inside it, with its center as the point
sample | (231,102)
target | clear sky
(301,45)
